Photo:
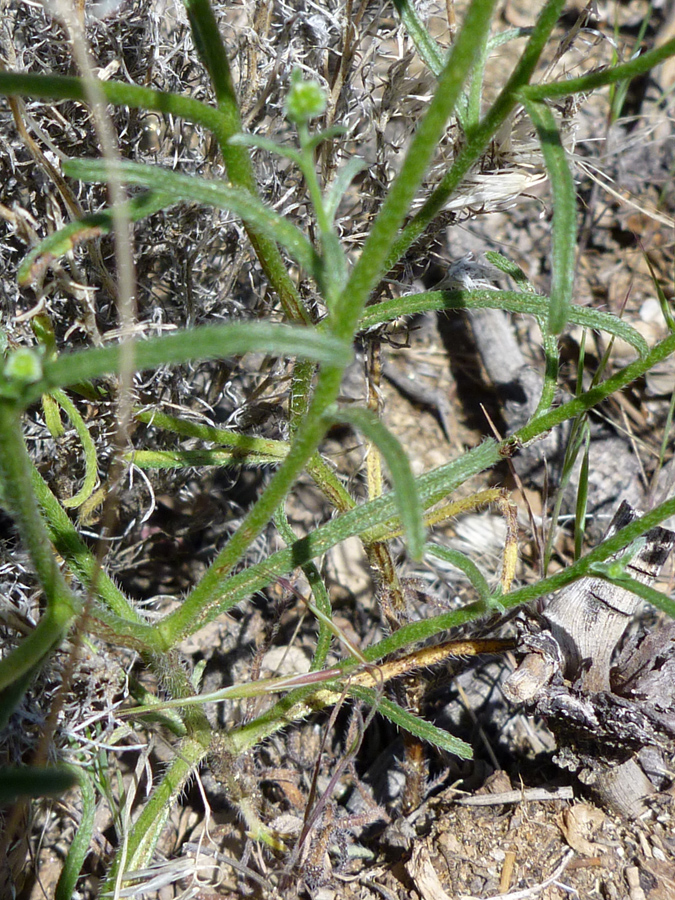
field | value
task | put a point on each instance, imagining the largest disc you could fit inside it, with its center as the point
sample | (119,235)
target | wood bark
(613,715)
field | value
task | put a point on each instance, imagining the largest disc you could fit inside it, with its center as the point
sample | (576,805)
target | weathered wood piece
(588,618)
(613,716)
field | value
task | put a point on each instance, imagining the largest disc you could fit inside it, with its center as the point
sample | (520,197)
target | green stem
(145,833)
(301,392)
(375,256)
(300,703)
(307,166)
(477,139)
(596,395)
(307,438)
(73,549)
(379,515)
(318,589)
(550,385)
(632,69)
(198,605)
(61,604)
(136,852)
(212,51)
(213,54)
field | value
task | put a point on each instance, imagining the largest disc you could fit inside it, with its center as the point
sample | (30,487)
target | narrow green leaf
(619,91)
(474,95)
(505,36)
(573,448)
(375,258)
(512,270)
(30,781)
(585,83)
(510,301)
(667,432)
(243,443)
(189,188)
(464,564)
(344,177)
(319,591)
(87,228)
(648,593)
(145,833)
(582,494)
(204,342)
(334,266)
(551,349)
(182,459)
(422,729)
(478,138)
(564,228)
(119,93)
(660,293)
(79,846)
(425,45)
(326,479)
(403,480)
(52,414)
(88,448)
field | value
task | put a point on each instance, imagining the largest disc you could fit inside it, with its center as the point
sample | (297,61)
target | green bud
(44,332)
(23,365)
(305,100)
(616,568)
